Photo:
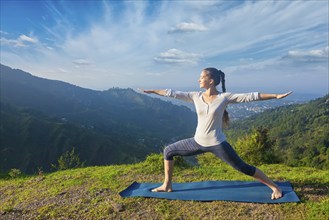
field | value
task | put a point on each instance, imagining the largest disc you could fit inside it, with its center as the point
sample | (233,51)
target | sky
(265,46)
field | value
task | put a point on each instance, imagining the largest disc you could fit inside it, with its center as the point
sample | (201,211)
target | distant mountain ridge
(129,120)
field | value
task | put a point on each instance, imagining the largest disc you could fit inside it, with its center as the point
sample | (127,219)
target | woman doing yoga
(211,111)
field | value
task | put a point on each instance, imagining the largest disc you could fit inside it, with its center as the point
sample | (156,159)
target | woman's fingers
(281,96)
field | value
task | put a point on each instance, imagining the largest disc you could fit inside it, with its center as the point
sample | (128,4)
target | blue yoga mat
(238,191)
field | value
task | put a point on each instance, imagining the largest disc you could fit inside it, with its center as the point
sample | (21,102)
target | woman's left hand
(281,96)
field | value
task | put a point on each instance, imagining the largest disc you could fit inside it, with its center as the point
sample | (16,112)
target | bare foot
(277,193)
(163,188)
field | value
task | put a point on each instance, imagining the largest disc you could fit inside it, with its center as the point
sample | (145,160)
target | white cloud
(245,61)
(278,75)
(9,42)
(21,41)
(177,56)
(311,60)
(24,38)
(128,42)
(63,70)
(309,56)
(248,65)
(82,62)
(187,27)
(3,32)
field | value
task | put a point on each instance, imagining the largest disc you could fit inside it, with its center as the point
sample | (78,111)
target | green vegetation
(68,160)
(30,140)
(41,119)
(13,173)
(256,148)
(300,132)
(92,193)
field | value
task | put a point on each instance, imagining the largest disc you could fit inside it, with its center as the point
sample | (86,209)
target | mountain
(120,122)
(30,140)
(300,132)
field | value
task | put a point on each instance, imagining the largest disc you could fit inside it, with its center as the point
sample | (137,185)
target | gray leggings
(224,151)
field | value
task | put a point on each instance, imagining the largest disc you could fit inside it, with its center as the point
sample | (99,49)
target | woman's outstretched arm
(161,92)
(185,96)
(263,96)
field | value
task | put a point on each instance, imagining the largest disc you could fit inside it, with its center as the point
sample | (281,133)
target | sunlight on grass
(92,192)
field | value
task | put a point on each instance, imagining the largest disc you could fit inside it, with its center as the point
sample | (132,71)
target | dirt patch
(315,193)
(78,197)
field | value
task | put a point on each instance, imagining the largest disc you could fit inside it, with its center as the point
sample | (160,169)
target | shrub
(13,173)
(256,148)
(208,159)
(68,160)
(154,163)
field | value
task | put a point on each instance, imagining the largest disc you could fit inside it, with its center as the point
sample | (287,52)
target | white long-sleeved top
(209,129)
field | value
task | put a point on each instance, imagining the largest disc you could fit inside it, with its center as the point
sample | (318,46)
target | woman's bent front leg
(186,147)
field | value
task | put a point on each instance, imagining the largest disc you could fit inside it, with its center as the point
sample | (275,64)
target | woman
(211,106)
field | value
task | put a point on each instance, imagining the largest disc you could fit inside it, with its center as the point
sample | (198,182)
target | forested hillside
(41,119)
(300,132)
(30,140)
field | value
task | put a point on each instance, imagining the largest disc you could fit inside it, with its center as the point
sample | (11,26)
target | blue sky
(266,46)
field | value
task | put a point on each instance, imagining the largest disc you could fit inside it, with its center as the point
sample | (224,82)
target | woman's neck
(211,91)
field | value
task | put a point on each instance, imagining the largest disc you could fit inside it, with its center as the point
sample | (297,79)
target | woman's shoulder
(188,92)
(196,93)
(225,94)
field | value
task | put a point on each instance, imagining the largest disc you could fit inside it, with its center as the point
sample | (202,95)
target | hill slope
(301,132)
(92,193)
(107,111)
(117,122)
(31,140)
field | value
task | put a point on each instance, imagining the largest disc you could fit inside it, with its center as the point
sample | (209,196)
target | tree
(256,148)
(68,160)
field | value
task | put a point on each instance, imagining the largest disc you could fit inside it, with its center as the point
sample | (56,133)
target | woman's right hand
(145,91)
(281,96)
(161,92)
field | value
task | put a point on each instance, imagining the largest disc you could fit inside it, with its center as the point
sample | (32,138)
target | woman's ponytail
(226,118)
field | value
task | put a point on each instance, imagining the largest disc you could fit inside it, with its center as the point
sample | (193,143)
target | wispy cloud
(320,55)
(62,70)
(187,27)
(177,56)
(21,41)
(306,59)
(82,62)
(24,38)
(123,41)
(3,32)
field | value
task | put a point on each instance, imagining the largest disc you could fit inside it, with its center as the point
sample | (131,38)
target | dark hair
(219,77)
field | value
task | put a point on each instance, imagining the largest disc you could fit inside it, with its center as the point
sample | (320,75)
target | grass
(92,193)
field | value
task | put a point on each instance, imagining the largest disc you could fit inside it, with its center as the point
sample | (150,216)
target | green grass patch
(92,193)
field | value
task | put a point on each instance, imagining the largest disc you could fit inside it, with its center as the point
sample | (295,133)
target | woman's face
(204,80)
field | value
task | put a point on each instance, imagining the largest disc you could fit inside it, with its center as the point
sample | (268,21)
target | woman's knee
(167,153)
